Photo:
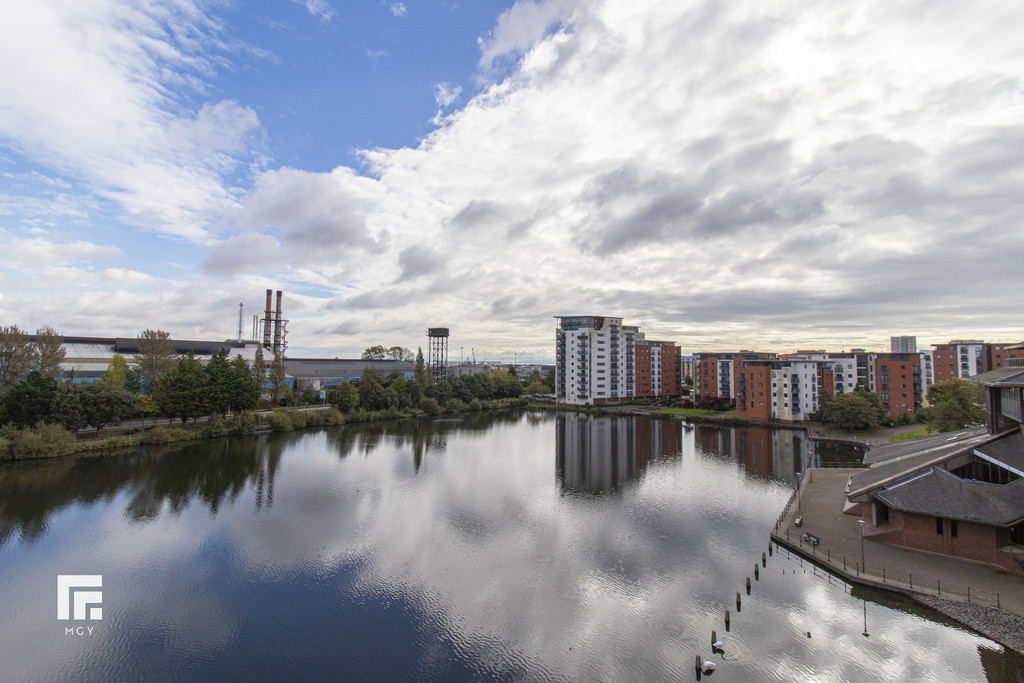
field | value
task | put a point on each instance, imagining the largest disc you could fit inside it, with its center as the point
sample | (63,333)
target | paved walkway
(879,438)
(820,503)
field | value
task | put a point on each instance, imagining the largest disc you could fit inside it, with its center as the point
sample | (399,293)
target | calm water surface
(512,547)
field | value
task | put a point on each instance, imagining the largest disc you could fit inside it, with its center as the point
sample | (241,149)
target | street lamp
(862,566)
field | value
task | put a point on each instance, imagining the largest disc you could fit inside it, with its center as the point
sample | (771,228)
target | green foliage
(309,396)
(371,391)
(156,358)
(850,412)
(279,421)
(430,406)
(116,373)
(278,380)
(344,397)
(475,404)
(954,404)
(245,423)
(182,392)
(49,352)
(243,390)
(30,401)
(16,355)
(399,353)
(259,372)
(454,405)
(881,416)
(105,404)
(536,388)
(215,427)
(68,407)
(378,352)
(217,383)
(42,441)
(162,435)
(146,406)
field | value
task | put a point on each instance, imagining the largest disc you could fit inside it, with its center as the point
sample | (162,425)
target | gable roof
(939,493)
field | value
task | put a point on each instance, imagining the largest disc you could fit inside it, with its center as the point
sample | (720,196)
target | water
(520,546)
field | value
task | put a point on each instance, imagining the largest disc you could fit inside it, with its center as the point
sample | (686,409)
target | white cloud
(320,9)
(102,93)
(398,9)
(705,167)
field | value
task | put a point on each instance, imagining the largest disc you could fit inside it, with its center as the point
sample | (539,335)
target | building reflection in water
(761,452)
(599,453)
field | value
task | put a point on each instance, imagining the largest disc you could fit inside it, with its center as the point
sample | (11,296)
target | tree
(156,358)
(105,404)
(344,397)
(278,380)
(954,404)
(850,412)
(30,401)
(116,374)
(16,355)
(245,391)
(259,372)
(67,407)
(371,390)
(881,414)
(399,353)
(377,352)
(146,405)
(49,352)
(218,383)
(182,391)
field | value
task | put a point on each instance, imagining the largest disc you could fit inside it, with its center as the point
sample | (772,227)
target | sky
(764,175)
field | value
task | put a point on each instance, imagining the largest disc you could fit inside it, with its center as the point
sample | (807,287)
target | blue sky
(752,175)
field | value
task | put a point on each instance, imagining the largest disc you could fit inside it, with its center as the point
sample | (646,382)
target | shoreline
(983,598)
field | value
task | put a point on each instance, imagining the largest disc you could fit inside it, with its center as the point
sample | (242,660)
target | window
(938,526)
(952,528)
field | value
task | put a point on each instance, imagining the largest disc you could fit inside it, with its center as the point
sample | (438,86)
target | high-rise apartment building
(903,344)
(598,359)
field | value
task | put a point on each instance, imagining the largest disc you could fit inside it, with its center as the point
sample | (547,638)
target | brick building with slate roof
(959,494)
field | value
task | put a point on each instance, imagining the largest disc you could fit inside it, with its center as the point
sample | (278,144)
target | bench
(812,539)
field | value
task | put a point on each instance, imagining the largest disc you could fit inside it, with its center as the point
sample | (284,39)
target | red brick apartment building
(754,390)
(658,368)
(896,379)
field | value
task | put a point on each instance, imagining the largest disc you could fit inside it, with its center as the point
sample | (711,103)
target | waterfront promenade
(842,550)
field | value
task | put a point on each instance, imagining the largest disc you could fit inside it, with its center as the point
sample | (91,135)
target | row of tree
(377,391)
(952,404)
(21,354)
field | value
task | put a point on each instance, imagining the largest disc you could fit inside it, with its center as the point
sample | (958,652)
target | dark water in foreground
(511,547)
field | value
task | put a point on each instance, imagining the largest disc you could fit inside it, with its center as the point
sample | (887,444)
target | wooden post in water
(738,601)
(748,585)
(757,573)
(726,620)
(764,560)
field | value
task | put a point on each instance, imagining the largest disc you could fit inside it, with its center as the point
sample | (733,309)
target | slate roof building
(959,494)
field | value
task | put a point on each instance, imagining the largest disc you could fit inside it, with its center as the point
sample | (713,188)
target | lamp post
(862,566)
(865,633)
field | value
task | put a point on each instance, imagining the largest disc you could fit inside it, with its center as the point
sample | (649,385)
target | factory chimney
(277,324)
(266,322)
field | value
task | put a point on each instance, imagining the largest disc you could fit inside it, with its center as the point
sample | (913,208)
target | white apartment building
(795,385)
(593,359)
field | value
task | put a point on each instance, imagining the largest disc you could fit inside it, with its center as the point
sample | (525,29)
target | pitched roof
(1008,376)
(919,458)
(939,493)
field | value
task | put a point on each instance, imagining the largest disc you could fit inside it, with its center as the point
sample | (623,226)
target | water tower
(437,352)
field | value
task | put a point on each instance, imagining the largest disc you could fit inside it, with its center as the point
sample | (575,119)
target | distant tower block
(437,352)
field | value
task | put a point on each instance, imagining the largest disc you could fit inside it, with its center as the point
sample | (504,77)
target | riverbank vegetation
(40,415)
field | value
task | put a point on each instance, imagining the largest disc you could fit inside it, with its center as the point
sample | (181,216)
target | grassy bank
(51,441)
